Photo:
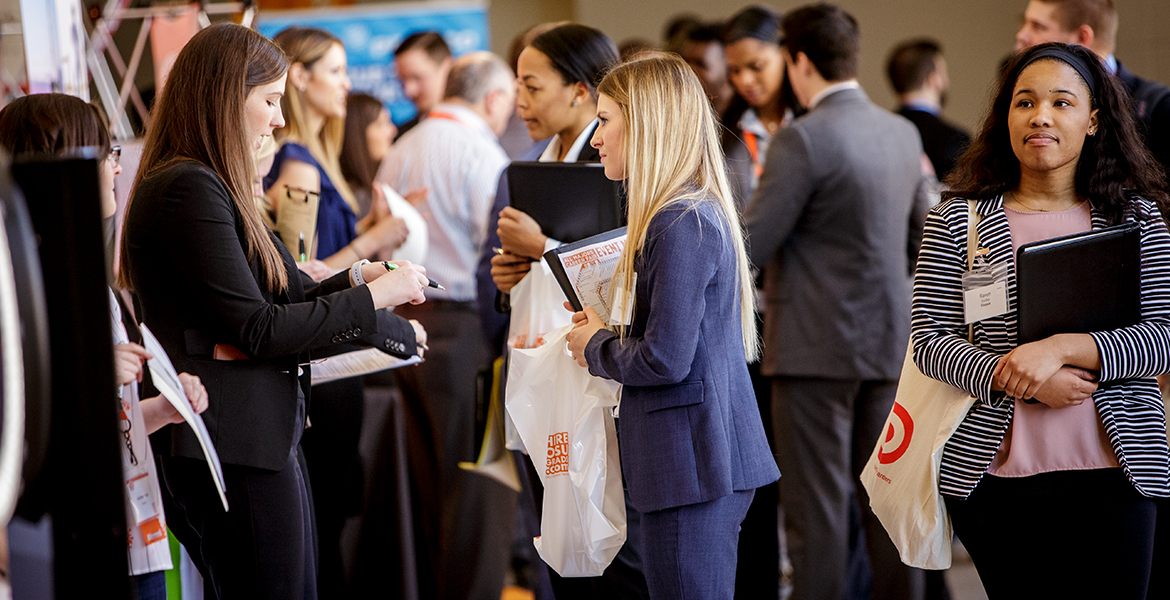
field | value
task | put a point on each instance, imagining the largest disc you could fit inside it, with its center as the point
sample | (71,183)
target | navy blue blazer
(689,426)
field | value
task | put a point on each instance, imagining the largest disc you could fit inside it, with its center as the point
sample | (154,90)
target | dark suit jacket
(197,287)
(690,428)
(1155,124)
(944,143)
(837,219)
(492,304)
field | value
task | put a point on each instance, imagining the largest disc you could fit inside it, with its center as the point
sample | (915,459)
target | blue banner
(371,33)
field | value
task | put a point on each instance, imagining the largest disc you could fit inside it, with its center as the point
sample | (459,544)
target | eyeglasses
(300,194)
(115,154)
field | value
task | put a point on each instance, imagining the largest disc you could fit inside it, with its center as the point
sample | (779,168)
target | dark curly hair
(1114,164)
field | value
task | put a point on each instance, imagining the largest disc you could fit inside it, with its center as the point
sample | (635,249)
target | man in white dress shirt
(463,521)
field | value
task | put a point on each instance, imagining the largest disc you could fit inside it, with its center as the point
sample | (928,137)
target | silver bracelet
(355,272)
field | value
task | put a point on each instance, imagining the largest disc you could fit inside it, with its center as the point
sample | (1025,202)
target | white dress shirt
(456,155)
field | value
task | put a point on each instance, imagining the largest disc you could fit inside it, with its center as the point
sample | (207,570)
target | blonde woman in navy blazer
(1059,134)
(692,444)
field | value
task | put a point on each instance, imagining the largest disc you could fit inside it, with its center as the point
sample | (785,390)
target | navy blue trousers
(689,552)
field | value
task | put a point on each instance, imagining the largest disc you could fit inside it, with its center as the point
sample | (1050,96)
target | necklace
(1017,201)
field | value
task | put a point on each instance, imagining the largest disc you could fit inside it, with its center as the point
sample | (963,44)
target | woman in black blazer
(229,304)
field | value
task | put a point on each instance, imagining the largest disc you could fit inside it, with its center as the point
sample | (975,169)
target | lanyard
(447,116)
(753,146)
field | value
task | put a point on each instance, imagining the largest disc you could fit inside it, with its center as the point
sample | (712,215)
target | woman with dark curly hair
(1069,480)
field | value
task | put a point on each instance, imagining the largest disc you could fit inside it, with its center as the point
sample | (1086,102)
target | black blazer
(185,246)
(1153,121)
(944,143)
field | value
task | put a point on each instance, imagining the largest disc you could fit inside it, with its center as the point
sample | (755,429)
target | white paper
(167,381)
(590,270)
(984,302)
(357,363)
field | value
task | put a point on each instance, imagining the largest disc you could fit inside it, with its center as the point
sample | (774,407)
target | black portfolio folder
(570,201)
(1079,283)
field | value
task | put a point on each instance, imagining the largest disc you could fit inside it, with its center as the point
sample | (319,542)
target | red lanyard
(448,116)
(749,138)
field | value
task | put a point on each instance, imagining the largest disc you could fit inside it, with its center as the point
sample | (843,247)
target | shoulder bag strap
(973,219)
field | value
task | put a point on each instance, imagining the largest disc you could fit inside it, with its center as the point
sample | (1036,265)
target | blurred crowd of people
(832,194)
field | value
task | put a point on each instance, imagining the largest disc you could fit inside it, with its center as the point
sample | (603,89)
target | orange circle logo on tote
(898,433)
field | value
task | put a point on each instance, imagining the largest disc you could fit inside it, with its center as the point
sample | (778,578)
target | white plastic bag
(563,416)
(901,476)
(537,308)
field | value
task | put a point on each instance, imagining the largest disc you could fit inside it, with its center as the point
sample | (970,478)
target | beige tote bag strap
(973,219)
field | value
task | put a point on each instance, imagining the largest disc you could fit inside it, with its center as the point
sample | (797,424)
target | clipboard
(1079,283)
(570,201)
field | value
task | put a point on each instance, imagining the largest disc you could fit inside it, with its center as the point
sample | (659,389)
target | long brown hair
(200,117)
(52,124)
(306,45)
(359,168)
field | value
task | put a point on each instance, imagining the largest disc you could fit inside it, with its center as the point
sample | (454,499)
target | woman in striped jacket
(1048,488)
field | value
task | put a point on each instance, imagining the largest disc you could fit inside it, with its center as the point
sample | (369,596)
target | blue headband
(1063,54)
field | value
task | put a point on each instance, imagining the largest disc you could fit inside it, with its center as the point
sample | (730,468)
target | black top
(1153,121)
(198,288)
(943,142)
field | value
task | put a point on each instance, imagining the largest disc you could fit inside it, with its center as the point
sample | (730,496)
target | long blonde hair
(673,156)
(306,45)
(199,116)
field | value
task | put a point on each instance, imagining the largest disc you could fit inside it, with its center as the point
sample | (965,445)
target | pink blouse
(1042,439)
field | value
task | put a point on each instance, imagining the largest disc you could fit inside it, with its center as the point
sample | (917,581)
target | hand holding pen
(401,283)
(430,282)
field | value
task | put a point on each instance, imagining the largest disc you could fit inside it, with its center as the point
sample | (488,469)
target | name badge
(145,506)
(984,291)
(623,304)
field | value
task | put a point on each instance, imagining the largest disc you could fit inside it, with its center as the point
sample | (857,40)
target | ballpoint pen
(501,252)
(430,282)
(304,257)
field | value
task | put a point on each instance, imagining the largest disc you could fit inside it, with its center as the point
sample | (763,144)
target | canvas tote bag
(901,476)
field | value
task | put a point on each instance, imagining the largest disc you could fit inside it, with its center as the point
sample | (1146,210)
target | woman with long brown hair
(63,125)
(228,303)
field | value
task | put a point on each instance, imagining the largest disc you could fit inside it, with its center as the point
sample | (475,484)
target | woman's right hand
(128,361)
(508,270)
(1070,386)
(400,286)
(520,234)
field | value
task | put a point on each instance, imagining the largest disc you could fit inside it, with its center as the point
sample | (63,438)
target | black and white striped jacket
(1127,399)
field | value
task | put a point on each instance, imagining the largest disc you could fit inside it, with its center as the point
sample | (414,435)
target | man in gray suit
(836,218)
